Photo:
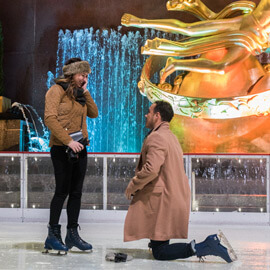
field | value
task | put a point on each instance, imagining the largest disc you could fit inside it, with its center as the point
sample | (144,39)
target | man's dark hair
(165,109)
(73,60)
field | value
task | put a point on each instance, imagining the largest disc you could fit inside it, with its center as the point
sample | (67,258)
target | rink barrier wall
(110,204)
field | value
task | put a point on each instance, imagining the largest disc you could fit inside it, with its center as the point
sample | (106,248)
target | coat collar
(162,125)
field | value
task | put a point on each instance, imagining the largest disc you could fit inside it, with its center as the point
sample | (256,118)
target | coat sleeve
(52,101)
(156,152)
(92,110)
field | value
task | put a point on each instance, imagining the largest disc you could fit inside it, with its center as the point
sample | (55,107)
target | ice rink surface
(21,246)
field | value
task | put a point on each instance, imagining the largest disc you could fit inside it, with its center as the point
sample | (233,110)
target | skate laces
(76,235)
(57,234)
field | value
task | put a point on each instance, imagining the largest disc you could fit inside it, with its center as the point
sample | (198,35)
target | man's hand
(128,191)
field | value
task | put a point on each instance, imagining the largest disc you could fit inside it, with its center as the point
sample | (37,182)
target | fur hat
(76,67)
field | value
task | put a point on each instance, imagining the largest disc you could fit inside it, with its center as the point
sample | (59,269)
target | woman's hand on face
(75,146)
(85,85)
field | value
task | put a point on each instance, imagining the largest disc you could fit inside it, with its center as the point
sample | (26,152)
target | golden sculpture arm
(203,65)
(192,47)
(201,11)
(197,29)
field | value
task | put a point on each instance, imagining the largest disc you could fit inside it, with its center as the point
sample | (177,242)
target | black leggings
(163,250)
(69,182)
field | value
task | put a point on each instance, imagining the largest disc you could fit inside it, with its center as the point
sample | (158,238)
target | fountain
(35,142)
(116,62)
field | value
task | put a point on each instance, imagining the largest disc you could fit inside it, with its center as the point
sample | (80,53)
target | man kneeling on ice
(160,194)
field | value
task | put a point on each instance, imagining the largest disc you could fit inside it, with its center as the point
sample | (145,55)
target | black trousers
(163,250)
(68,183)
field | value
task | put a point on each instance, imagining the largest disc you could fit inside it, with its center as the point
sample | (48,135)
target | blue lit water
(116,64)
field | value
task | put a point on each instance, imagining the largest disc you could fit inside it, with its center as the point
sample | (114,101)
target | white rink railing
(224,188)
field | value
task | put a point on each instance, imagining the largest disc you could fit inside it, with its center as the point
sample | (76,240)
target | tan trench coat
(160,207)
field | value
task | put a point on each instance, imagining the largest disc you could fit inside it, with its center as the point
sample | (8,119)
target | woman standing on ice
(67,103)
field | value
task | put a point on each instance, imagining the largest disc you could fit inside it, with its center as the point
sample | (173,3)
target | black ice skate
(216,245)
(54,241)
(73,239)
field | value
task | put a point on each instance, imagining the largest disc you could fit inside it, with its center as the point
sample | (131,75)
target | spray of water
(35,143)
(116,64)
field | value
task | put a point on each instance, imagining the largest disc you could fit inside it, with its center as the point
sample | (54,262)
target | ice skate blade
(54,252)
(225,242)
(77,250)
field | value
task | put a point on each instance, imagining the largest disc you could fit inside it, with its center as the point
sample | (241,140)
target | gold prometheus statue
(225,79)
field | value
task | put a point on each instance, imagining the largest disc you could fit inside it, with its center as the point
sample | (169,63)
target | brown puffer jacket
(63,116)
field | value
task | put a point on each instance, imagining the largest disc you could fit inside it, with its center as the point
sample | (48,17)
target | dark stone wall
(30,30)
